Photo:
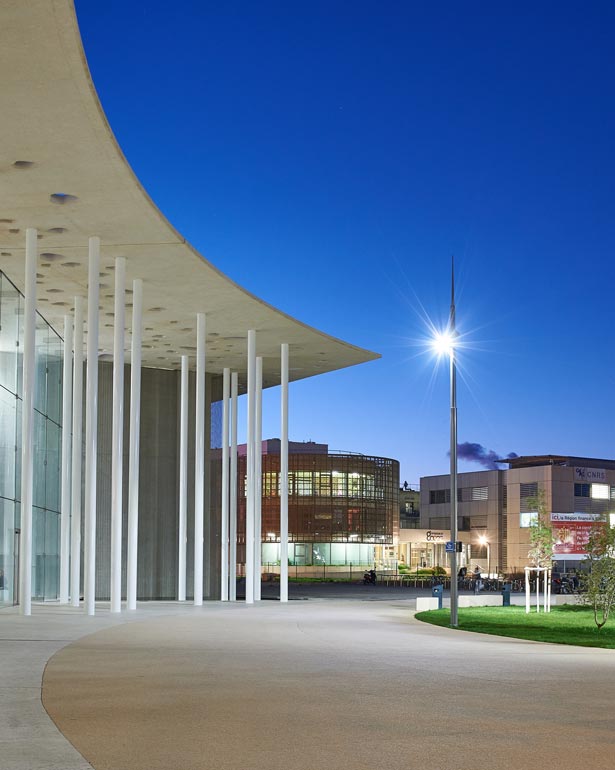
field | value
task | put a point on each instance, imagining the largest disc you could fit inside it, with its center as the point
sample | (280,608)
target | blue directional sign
(450,546)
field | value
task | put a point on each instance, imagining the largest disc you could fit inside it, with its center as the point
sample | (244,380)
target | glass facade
(339,506)
(47,450)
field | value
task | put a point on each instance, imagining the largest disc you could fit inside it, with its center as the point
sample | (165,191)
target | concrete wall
(483,517)
(158,487)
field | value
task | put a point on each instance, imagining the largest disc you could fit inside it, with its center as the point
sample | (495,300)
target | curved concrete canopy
(56,142)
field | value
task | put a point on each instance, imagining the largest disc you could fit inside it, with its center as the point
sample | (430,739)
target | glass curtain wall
(340,507)
(47,450)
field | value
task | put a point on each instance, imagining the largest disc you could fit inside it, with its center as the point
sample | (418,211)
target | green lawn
(566,624)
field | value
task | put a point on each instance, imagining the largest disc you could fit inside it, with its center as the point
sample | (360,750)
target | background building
(498,506)
(341,506)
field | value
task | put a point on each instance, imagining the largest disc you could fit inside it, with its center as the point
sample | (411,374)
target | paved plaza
(352,682)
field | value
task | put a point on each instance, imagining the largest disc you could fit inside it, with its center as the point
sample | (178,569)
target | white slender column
(75,532)
(27,424)
(134,446)
(251,487)
(232,592)
(117,437)
(67,401)
(224,529)
(91,429)
(183,483)
(284,475)
(258,478)
(199,460)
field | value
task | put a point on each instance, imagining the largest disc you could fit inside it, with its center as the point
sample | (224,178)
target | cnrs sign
(589,474)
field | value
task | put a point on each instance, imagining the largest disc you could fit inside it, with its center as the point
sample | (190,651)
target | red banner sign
(571,531)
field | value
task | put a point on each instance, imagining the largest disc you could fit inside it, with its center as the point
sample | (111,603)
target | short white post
(549,591)
(258,479)
(27,425)
(183,482)
(75,532)
(199,460)
(117,438)
(527,589)
(91,429)
(233,492)
(224,529)
(132,550)
(537,589)
(250,498)
(67,402)
(284,474)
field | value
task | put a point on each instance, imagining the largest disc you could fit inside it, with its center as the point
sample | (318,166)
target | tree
(599,583)
(541,533)
(540,553)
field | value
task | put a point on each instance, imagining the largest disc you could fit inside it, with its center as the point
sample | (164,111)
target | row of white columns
(253,528)
(229,481)
(71,472)
(72,427)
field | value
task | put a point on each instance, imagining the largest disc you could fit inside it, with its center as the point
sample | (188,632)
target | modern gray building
(497,507)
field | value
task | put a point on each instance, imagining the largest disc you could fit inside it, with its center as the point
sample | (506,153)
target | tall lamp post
(445,345)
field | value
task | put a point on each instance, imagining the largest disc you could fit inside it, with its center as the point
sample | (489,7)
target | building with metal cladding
(118,343)
(497,507)
(341,506)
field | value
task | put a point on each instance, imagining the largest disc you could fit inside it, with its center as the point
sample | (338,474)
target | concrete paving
(29,740)
(311,684)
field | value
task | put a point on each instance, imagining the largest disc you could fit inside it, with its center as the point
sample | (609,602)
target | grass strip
(565,624)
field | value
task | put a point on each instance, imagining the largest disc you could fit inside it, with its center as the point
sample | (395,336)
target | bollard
(506,595)
(437,591)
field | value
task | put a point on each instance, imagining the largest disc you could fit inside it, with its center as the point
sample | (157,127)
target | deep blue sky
(332,156)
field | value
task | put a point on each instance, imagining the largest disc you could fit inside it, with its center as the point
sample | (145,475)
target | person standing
(478,583)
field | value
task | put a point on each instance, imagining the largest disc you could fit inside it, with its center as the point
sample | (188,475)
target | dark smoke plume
(476,453)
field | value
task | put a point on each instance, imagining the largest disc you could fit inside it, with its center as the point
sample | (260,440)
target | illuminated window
(368,486)
(600,491)
(322,483)
(528,519)
(354,485)
(303,483)
(338,484)
(271,484)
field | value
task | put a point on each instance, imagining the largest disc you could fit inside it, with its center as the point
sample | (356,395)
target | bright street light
(444,343)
